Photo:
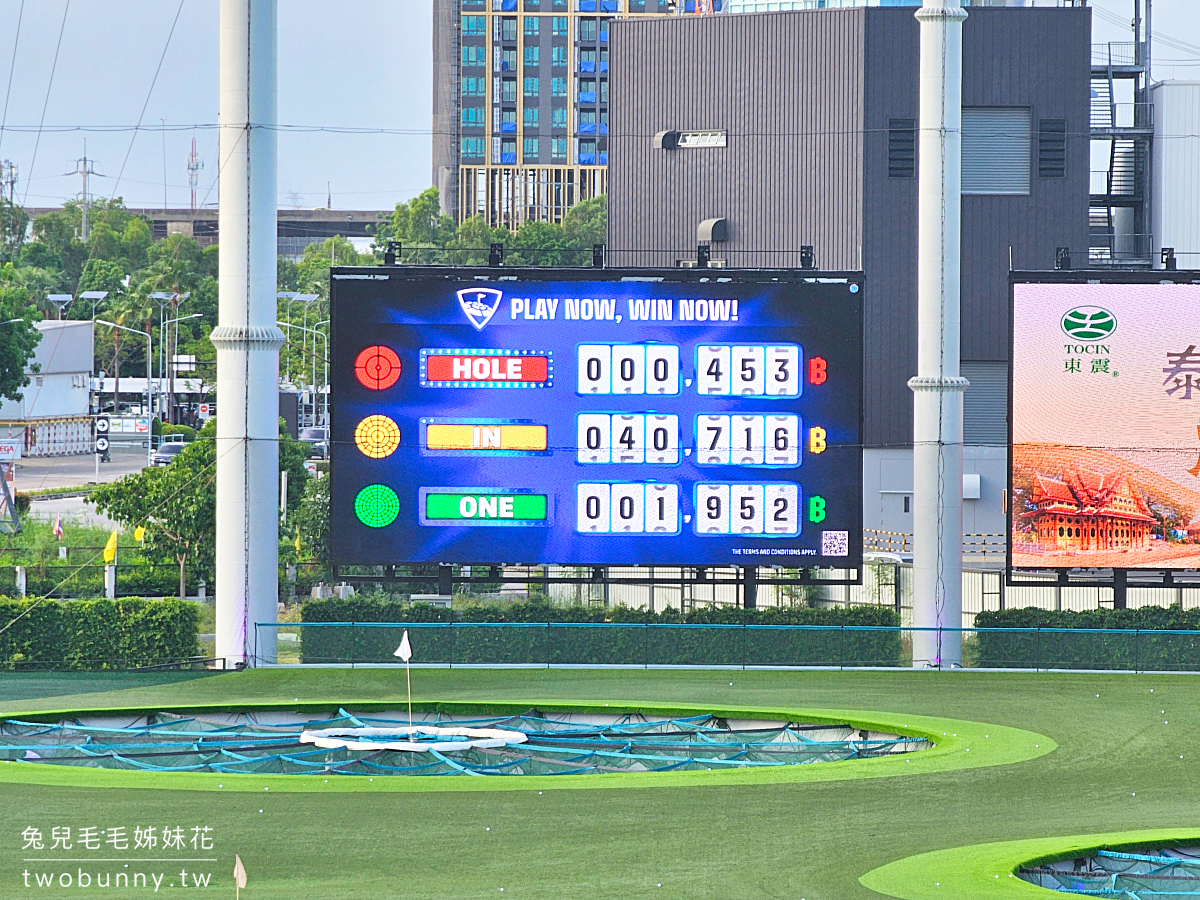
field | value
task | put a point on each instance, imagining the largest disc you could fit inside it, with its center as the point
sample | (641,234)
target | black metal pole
(750,587)
(1120,586)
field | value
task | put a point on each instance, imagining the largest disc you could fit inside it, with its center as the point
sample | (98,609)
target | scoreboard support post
(750,587)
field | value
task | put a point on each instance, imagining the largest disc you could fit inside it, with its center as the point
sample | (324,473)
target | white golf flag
(239,872)
(404,651)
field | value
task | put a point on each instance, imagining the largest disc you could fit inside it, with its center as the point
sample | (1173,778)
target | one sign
(204,409)
(184,363)
(1105,424)
(663,420)
(101,444)
(102,424)
(10,450)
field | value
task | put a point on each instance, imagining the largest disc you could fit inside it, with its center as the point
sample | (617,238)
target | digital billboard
(1105,424)
(595,417)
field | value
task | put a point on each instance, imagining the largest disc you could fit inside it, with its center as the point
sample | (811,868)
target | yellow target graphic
(377,436)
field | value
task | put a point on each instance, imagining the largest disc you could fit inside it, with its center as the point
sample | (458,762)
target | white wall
(1175,213)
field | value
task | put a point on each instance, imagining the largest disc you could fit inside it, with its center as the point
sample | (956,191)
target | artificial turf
(811,840)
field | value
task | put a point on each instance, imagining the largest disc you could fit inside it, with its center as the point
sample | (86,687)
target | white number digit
(662,508)
(748,370)
(783,371)
(712,440)
(595,363)
(629,369)
(592,433)
(628,508)
(591,511)
(712,370)
(781,507)
(629,439)
(662,369)
(712,509)
(746,440)
(746,509)
(662,440)
(782,441)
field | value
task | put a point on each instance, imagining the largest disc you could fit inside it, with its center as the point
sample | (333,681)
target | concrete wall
(1176,170)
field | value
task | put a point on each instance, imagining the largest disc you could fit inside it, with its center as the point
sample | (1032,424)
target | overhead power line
(11,68)
(46,103)
(150,92)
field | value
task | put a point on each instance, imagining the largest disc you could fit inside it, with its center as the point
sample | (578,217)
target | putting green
(957,744)
(987,871)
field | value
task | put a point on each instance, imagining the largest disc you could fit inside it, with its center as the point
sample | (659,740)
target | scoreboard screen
(595,417)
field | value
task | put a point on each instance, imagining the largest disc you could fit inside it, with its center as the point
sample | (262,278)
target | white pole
(938,388)
(247,341)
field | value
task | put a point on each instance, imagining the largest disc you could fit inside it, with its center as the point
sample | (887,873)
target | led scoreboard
(596,417)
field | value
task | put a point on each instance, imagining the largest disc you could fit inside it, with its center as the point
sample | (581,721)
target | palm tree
(128,310)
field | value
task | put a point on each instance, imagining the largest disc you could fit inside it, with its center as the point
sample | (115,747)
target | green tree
(312,271)
(14,223)
(473,239)
(312,521)
(17,339)
(177,503)
(419,225)
(586,223)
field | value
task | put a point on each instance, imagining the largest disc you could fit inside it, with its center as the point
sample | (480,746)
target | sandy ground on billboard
(1085,507)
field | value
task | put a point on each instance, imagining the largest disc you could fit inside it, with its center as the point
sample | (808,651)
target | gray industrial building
(799,129)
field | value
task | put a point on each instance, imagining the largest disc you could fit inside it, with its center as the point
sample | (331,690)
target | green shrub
(22,501)
(1093,639)
(97,634)
(537,632)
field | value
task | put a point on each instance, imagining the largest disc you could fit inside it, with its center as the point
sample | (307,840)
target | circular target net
(377,505)
(533,743)
(377,436)
(1172,872)
(377,368)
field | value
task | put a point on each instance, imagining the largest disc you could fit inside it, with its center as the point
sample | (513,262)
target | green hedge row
(97,634)
(1083,649)
(538,633)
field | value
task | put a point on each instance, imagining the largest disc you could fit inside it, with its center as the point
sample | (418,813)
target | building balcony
(587,159)
(587,67)
(508,159)
(587,96)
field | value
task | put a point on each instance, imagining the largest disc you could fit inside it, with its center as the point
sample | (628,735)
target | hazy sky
(363,64)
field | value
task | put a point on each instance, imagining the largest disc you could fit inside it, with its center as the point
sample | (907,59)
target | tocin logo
(480,304)
(1088,323)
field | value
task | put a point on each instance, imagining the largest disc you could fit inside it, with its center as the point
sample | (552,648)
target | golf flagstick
(239,875)
(404,651)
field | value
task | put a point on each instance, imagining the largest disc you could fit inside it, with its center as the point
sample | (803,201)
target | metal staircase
(1120,194)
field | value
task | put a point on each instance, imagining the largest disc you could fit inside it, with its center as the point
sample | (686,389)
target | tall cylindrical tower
(938,387)
(247,339)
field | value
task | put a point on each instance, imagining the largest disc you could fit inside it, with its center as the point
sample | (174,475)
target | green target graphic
(1089,323)
(377,505)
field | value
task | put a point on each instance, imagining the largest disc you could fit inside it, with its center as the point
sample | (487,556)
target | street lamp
(95,297)
(165,299)
(290,296)
(61,301)
(116,398)
(313,383)
(171,374)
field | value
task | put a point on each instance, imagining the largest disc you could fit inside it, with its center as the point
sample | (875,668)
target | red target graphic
(377,367)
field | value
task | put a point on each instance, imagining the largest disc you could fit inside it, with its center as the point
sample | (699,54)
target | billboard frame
(1117,579)
(689,574)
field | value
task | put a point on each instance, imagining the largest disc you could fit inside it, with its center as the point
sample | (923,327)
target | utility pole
(247,339)
(83,167)
(938,388)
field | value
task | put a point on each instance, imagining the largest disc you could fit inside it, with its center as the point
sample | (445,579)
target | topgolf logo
(1088,323)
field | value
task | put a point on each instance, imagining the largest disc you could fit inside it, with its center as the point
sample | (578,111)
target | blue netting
(1171,872)
(566,743)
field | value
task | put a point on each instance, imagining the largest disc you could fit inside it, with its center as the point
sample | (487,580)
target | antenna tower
(194,165)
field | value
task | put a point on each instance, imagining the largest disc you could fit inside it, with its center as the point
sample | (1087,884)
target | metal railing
(644,645)
(984,545)
(1116,53)
(1107,249)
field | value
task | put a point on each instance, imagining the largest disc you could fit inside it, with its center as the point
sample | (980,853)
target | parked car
(165,455)
(317,440)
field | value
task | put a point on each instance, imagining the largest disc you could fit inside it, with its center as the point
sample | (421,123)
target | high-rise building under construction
(520,102)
